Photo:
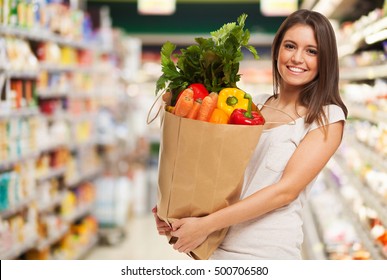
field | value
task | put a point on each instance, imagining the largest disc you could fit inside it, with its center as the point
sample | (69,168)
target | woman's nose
(297,57)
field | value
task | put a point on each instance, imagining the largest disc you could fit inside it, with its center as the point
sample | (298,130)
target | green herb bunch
(213,61)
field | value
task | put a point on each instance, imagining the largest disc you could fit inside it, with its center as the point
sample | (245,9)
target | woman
(267,221)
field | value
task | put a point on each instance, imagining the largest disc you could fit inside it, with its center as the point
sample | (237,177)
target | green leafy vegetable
(213,61)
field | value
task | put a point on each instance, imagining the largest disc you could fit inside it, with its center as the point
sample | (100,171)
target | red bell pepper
(247,117)
(199,91)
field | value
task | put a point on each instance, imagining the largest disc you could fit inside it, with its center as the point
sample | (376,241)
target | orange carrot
(254,107)
(185,103)
(214,96)
(193,113)
(206,109)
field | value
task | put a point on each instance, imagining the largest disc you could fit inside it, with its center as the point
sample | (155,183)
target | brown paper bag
(201,168)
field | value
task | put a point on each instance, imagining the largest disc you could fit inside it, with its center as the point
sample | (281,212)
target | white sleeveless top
(276,235)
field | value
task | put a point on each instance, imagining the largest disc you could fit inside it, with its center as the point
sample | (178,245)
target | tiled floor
(142,242)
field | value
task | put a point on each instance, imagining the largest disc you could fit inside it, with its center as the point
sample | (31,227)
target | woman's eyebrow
(293,42)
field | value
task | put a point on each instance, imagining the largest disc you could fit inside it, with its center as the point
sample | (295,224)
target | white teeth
(295,69)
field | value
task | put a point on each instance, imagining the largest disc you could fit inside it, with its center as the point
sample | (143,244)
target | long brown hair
(324,89)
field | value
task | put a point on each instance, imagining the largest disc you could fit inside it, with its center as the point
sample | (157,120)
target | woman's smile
(296,69)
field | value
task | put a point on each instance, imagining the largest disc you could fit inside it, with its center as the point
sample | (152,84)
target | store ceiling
(189,17)
(202,16)
(343,10)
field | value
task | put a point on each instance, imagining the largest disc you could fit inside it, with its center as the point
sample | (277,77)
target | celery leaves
(213,61)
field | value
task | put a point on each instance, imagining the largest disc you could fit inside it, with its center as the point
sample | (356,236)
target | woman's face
(297,56)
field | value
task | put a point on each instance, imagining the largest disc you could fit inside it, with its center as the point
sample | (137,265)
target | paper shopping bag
(201,169)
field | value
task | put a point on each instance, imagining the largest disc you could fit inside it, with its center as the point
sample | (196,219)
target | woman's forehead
(301,32)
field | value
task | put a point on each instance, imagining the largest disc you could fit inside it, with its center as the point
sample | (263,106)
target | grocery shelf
(55,172)
(40,34)
(52,147)
(23,74)
(364,72)
(70,117)
(358,37)
(357,40)
(13,209)
(54,202)
(78,213)
(67,76)
(7,164)
(84,178)
(368,154)
(55,68)
(52,239)
(362,112)
(85,249)
(16,251)
(87,116)
(313,245)
(51,93)
(7,113)
(370,198)
(361,230)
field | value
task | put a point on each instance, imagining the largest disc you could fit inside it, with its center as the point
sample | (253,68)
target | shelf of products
(338,237)
(364,207)
(353,222)
(56,76)
(353,193)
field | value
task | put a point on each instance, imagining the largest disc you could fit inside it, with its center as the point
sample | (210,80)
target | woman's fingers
(189,234)
(164,231)
(181,244)
(162,227)
(177,224)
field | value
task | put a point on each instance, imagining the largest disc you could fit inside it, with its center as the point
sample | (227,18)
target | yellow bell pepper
(219,116)
(230,99)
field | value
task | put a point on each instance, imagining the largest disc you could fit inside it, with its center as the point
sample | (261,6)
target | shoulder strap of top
(260,101)
(279,110)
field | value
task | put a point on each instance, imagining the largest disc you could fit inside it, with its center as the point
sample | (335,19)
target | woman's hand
(191,232)
(162,227)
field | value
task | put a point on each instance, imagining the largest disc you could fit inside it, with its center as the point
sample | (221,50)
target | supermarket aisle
(141,243)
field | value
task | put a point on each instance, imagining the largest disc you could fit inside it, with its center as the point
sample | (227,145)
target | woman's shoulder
(334,113)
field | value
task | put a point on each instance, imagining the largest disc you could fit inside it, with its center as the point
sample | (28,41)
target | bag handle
(268,106)
(151,108)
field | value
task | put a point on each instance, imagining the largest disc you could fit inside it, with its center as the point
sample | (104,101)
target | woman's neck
(287,100)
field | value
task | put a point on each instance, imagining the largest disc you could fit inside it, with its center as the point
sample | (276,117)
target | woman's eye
(313,51)
(289,46)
